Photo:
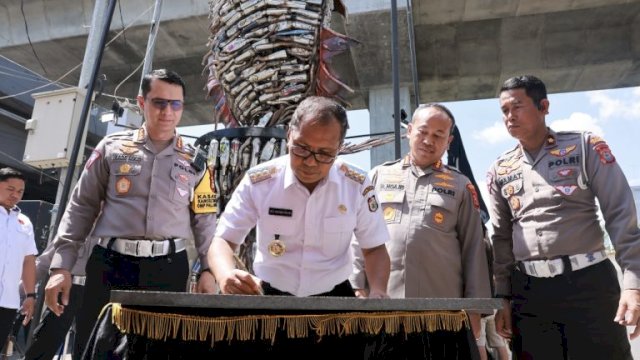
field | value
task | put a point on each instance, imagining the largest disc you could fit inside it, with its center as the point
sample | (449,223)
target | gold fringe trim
(161,326)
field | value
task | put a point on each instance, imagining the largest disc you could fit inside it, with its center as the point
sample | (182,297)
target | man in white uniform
(18,254)
(307,205)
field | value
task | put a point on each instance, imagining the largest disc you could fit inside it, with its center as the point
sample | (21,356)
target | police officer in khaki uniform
(432,213)
(548,243)
(50,333)
(144,180)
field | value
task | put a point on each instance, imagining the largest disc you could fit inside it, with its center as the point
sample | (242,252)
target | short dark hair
(322,109)
(439,107)
(10,173)
(533,87)
(165,75)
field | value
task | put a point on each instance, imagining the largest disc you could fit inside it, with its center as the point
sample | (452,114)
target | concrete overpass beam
(381,120)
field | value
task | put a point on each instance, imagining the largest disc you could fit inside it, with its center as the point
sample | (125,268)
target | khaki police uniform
(548,243)
(131,191)
(303,238)
(436,245)
(50,333)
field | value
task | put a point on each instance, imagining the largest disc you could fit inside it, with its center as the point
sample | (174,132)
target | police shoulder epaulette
(127,134)
(509,153)
(262,173)
(569,132)
(452,168)
(387,163)
(353,173)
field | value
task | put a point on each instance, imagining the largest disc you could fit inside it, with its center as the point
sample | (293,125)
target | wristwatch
(31,295)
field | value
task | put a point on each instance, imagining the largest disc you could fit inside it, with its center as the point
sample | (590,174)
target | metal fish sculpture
(266,56)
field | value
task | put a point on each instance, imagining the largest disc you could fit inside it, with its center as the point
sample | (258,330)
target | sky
(612,114)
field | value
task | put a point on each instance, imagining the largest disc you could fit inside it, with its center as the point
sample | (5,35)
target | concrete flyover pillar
(381,120)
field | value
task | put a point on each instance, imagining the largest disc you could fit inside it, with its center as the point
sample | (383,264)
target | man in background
(18,254)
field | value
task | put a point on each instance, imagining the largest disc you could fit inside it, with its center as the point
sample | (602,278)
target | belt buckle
(145,248)
(157,248)
(550,269)
(542,268)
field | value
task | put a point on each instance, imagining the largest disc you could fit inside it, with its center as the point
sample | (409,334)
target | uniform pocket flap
(340,224)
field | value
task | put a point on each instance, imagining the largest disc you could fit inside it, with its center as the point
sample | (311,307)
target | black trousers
(49,335)
(343,289)
(7,317)
(107,269)
(569,316)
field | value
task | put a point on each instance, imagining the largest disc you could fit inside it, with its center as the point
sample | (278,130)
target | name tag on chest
(280,212)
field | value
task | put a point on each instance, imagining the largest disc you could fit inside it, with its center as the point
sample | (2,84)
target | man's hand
(503,320)
(361,293)
(59,283)
(206,283)
(240,282)
(377,294)
(28,306)
(628,313)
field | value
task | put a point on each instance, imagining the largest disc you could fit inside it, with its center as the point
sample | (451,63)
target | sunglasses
(304,153)
(161,104)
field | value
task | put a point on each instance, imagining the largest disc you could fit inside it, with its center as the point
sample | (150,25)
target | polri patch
(606,157)
(474,195)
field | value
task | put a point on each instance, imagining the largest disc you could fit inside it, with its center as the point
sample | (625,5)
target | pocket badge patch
(123,185)
(438,218)
(567,189)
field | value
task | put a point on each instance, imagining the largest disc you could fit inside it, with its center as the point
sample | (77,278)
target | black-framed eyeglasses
(304,153)
(161,104)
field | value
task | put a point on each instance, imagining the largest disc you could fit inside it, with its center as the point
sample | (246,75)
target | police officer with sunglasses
(144,180)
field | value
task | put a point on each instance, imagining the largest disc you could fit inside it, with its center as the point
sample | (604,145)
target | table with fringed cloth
(158,325)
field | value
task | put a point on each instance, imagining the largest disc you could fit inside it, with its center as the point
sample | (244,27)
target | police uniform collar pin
(141,136)
(551,140)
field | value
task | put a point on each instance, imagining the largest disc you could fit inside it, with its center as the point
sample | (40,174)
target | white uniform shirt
(16,242)
(316,228)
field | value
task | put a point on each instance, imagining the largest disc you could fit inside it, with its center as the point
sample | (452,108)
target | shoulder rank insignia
(438,165)
(352,173)
(563,152)
(262,173)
